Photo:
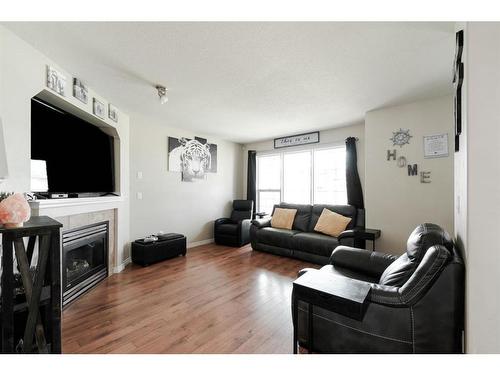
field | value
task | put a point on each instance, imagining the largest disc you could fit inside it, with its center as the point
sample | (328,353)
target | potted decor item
(14,210)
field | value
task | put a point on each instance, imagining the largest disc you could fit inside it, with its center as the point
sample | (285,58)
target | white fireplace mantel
(73,206)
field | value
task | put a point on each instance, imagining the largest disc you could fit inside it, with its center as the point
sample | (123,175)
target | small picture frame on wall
(436,146)
(56,81)
(113,112)
(80,91)
(99,109)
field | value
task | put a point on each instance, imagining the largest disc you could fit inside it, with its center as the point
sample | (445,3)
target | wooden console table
(38,309)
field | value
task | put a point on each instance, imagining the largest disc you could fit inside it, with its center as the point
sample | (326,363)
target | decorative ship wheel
(401,137)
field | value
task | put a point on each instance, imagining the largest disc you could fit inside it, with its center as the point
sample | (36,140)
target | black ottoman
(168,246)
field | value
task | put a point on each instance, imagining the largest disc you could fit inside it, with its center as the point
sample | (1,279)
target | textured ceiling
(251,81)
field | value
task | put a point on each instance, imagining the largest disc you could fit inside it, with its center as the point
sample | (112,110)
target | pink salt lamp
(14,211)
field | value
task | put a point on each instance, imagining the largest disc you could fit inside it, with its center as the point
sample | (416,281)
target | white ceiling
(251,81)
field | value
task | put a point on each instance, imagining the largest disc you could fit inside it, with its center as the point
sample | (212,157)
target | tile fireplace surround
(80,220)
(79,212)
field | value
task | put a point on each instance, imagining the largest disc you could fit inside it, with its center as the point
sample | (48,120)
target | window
(297,177)
(268,182)
(302,177)
(329,176)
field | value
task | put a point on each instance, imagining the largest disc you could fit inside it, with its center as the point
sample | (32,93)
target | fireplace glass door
(85,259)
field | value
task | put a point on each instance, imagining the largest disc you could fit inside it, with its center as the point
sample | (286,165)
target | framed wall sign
(436,146)
(296,140)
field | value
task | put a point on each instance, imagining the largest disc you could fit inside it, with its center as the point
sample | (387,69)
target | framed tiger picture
(194,158)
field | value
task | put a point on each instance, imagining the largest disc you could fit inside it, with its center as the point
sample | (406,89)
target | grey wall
(395,202)
(169,204)
(478,221)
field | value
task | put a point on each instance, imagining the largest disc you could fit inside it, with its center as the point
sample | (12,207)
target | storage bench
(168,246)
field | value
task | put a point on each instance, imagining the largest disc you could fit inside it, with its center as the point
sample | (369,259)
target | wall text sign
(296,140)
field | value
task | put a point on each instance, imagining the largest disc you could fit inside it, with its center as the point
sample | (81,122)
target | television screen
(76,156)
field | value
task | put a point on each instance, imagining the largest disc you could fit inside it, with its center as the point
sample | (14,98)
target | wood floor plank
(217,299)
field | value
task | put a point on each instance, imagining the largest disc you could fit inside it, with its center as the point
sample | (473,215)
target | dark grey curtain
(251,179)
(354,191)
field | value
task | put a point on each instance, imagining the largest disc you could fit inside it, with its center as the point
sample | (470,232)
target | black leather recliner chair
(235,231)
(416,304)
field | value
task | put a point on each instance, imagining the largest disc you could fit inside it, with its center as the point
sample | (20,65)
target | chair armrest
(304,270)
(370,262)
(244,229)
(222,220)
(386,295)
(262,223)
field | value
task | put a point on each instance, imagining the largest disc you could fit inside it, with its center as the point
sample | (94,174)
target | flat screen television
(78,156)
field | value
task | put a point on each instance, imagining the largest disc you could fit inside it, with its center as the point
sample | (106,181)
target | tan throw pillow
(331,223)
(283,218)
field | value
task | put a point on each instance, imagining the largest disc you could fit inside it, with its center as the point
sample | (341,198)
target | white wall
(334,136)
(395,202)
(22,76)
(169,204)
(478,230)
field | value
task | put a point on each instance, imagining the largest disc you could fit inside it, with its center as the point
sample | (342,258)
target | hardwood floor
(216,300)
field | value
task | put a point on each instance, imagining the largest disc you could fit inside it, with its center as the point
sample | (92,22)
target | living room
(181,187)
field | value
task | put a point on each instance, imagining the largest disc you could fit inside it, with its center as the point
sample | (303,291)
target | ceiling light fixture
(162,93)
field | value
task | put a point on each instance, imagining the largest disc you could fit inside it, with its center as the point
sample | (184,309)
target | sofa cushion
(227,228)
(283,218)
(331,223)
(302,218)
(276,237)
(315,243)
(344,210)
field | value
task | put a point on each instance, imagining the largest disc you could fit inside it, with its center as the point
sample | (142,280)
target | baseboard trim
(122,266)
(199,243)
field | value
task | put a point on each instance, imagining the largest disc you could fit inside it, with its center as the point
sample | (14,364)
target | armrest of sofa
(372,263)
(350,233)
(262,223)
(349,236)
(222,220)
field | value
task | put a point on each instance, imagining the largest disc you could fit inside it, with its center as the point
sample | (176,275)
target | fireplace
(84,259)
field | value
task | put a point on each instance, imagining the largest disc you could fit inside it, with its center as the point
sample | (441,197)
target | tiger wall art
(194,158)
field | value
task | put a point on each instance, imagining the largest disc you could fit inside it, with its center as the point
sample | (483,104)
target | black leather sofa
(302,241)
(416,303)
(235,230)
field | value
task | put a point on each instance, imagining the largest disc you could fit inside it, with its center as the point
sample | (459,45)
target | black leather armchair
(416,303)
(235,231)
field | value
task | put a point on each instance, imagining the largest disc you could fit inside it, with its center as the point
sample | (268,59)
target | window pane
(268,170)
(297,177)
(267,200)
(329,176)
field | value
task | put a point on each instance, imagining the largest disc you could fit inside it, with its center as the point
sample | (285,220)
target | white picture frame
(56,81)
(436,146)
(98,108)
(112,112)
(80,91)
